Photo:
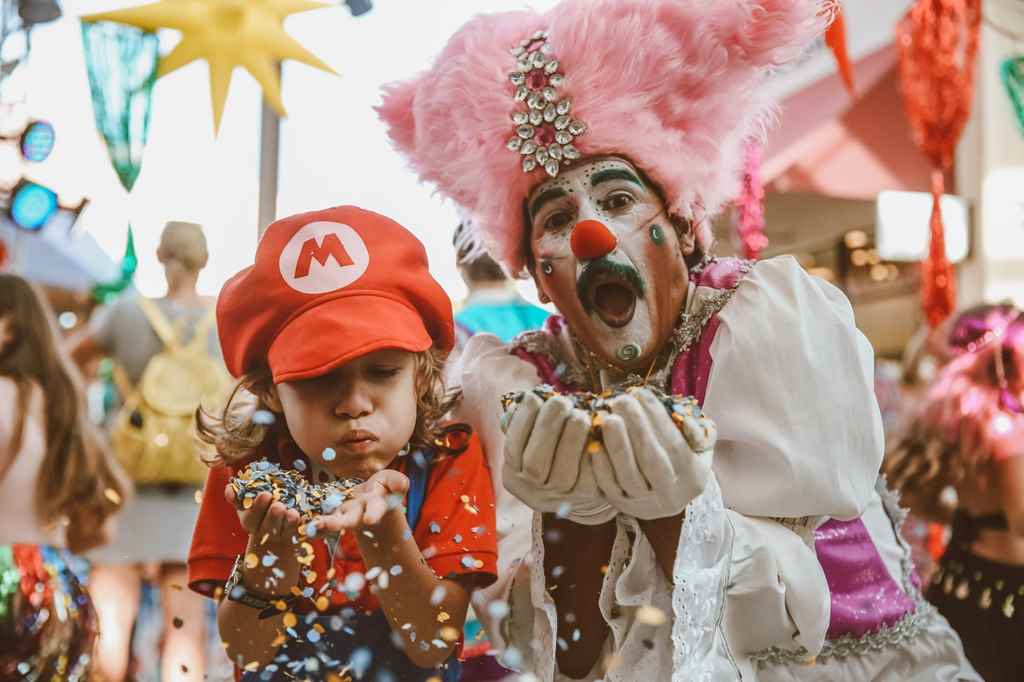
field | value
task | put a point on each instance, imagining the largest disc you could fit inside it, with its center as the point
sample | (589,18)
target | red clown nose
(591,239)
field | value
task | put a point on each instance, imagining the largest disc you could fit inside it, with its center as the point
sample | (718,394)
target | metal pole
(270,143)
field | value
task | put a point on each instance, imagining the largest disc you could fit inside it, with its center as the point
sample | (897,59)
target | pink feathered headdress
(676,86)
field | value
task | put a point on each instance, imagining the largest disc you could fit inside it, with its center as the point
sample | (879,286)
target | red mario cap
(327,287)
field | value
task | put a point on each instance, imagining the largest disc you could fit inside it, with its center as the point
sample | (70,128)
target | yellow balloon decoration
(227,34)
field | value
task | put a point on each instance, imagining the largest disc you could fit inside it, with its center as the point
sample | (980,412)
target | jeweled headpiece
(545,129)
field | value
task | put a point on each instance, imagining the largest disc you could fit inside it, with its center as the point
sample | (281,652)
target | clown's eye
(617,201)
(557,221)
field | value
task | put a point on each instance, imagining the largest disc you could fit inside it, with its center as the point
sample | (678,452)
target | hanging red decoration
(938,43)
(835,38)
(749,211)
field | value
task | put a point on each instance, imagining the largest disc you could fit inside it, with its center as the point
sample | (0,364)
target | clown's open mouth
(611,291)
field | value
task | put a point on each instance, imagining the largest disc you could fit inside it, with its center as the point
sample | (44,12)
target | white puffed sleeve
(792,392)
(485,371)
(778,595)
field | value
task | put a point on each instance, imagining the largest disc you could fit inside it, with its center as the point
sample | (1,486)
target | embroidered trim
(907,628)
(544,344)
(804,526)
(900,633)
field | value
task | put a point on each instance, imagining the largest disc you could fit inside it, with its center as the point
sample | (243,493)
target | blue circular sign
(37,141)
(32,205)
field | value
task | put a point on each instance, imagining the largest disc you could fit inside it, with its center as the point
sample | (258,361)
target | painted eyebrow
(614,174)
(545,197)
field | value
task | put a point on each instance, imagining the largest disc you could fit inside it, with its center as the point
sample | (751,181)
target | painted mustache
(605,270)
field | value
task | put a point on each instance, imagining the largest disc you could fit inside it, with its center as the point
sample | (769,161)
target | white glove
(648,469)
(546,463)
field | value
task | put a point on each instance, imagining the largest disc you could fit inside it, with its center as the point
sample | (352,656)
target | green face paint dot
(657,234)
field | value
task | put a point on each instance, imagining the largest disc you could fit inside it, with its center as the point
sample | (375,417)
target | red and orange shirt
(455,532)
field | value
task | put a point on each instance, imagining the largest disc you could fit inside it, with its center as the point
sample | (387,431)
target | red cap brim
(323,338)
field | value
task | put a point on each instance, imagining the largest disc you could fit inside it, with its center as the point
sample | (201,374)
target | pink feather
(673,85)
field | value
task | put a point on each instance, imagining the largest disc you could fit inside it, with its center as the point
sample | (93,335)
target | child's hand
(369,503)
(267,519)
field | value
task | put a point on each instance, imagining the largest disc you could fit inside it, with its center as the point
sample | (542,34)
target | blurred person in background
(960,461)
(59,490)
(167,355)
(493,304)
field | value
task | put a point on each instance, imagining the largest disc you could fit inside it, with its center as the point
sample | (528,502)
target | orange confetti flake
(251,560)
(279,640)
(449,634)
(322,603)
(290,620)
(113,496)
(443,617)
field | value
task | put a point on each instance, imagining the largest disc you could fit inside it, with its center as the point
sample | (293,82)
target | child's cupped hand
(266,520)
(368,504)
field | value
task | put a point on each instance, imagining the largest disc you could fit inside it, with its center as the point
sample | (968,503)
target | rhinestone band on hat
(545,129)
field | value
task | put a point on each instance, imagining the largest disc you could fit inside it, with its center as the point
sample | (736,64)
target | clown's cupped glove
(656,452)
(546,461)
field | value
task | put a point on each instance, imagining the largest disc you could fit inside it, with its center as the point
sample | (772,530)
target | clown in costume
(590,146)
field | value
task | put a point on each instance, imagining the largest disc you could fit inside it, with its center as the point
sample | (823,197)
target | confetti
(457,538)
(251,560)
(313,636)
(329,454)
(322,603)
(198,496)
(290,620)
(563,510)
(279,640)
(263,417)
(269,559)
(113,496)
(372,574)
(434,528)
(497,609)
(354,582)
(684,411)
(557,571)
(651,615)
(449,634)
(443,617)
(511,658)
(290,488)
(437,596)
(396,570)
(299,464)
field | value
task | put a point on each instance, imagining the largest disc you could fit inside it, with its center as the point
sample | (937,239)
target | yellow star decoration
(227,34)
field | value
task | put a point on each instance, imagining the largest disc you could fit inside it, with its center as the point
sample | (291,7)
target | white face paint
(623,304)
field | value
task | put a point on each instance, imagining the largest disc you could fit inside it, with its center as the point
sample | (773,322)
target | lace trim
(542,662)
(699,585)
(907,628)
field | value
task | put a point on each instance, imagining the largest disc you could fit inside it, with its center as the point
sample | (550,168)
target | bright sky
(333,148)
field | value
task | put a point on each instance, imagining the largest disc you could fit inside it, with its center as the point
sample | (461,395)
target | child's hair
(79,481)
(969,409)
(236,435)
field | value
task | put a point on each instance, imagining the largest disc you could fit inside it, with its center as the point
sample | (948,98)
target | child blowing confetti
(343,527)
